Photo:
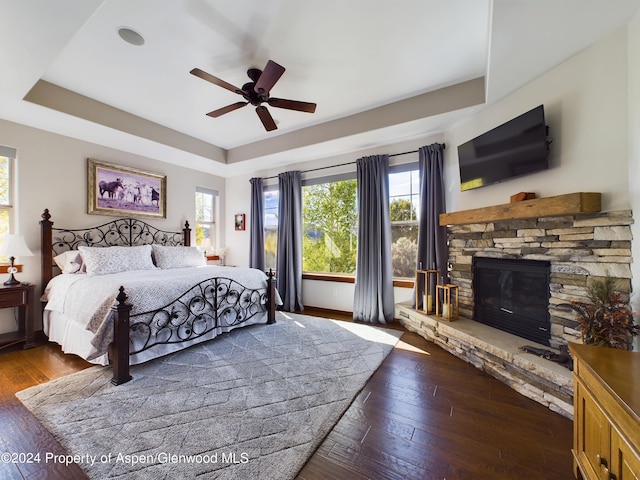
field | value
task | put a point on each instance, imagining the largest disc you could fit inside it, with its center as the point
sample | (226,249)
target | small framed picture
(239,221)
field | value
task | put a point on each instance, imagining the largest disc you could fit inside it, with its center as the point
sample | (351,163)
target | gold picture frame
(125,191)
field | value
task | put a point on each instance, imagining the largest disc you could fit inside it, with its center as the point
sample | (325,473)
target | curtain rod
(348,163)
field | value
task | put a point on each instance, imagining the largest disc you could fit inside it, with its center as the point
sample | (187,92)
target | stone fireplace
(573,248)
(577,248)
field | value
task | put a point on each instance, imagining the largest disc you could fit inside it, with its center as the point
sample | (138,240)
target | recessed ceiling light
(130,36)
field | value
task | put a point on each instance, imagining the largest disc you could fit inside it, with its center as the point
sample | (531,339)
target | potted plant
(606,320)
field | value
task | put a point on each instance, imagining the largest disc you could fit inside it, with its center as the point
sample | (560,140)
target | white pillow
(178,257)
(69,262)
(105,260)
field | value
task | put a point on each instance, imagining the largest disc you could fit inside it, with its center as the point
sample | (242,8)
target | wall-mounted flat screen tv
(513,149)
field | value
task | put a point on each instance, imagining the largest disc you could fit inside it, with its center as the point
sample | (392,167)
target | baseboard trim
(327,312)
(339,314)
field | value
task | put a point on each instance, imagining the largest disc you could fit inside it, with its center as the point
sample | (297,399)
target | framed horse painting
(125,191)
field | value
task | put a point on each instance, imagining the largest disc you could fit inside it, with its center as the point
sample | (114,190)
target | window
(330,222)
(270,226)
(404,208)
(330,226)
(7,156)
(206,213)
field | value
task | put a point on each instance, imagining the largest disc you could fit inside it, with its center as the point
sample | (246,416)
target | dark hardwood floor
(20,432)
(424,414)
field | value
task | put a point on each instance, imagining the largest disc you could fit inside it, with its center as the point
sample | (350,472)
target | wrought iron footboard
(213,303)
(216,303)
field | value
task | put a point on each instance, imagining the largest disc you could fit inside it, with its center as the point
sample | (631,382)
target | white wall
(585,101)
(52,173)
(238,200)
(634,152)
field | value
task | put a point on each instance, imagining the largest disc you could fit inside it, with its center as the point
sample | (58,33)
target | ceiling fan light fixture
(130,36)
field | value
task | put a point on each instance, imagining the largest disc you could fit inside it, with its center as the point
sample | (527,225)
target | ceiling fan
(256,93)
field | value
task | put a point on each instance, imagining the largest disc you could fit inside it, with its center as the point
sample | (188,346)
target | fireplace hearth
(513,295)
(576,248)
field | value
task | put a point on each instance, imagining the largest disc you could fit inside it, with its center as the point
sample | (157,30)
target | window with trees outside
(7,156)
(330,226)
(270,225)
(404,208)
(206,208)
(330,223)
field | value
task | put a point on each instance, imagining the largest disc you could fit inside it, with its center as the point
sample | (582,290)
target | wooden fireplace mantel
(568,204)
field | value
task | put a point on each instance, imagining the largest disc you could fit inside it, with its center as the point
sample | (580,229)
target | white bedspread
(87,299)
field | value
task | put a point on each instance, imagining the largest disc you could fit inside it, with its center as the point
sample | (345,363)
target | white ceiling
(365,63)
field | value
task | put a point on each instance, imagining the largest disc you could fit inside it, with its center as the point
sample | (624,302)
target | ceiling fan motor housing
(251,96)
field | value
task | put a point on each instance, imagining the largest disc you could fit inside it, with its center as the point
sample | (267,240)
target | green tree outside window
(5,198)
(330,227)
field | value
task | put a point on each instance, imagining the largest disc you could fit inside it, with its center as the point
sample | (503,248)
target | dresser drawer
(11,298)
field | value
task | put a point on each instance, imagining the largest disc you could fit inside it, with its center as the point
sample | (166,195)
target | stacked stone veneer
(579,248)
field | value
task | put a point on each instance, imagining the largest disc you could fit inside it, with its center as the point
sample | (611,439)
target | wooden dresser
(606,432)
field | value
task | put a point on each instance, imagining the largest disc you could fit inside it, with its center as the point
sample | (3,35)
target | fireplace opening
(513,296)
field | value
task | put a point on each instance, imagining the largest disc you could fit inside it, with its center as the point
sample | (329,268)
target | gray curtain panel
(256,225)
(432,238)
(373,298)
(289,250)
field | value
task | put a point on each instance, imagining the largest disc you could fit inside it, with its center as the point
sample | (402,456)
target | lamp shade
(14,246)
(205,244)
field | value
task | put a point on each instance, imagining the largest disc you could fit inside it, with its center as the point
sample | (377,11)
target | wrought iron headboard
(120,232)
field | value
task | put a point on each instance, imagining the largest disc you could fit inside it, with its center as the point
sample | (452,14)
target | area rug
(253,403)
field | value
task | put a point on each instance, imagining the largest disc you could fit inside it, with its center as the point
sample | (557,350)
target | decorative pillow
(105,260)
(70,262)
(178,257)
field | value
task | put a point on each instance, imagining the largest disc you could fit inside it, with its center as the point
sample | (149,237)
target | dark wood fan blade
(215,80)
(266,118)
(229,108)
(270,75)
(293,105)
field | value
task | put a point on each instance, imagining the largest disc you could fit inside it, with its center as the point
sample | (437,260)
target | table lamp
(205,244)
(13,246)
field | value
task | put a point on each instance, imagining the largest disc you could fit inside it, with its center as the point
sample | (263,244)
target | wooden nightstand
(20,296)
